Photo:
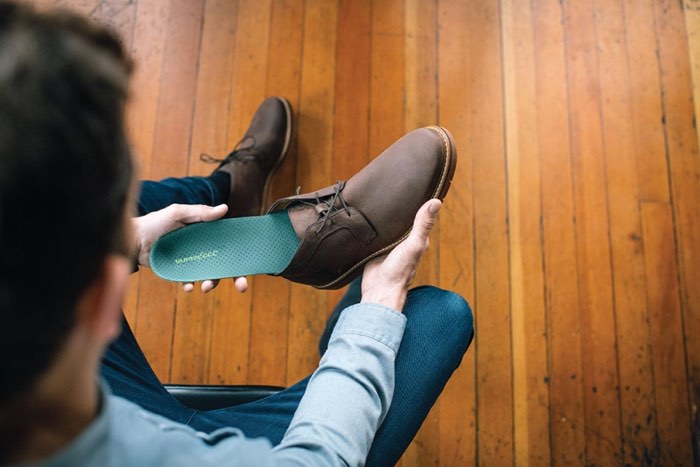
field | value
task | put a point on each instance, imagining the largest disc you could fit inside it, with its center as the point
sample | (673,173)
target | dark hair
(65,174)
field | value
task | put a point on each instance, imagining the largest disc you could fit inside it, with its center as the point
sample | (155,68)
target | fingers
(208,286)
(241,284)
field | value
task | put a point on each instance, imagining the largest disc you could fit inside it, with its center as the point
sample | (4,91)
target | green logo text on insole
(199,257)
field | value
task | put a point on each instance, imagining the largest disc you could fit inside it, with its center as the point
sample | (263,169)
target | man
(66,195)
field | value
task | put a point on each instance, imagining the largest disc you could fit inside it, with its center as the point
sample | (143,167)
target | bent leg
(265,418)
(126,370)
(124,365)
(211,191)
(438,333)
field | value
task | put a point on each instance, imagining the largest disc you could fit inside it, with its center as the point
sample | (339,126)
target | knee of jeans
(451,313)
(459,315)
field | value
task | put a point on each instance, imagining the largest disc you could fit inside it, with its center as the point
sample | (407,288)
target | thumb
(214,212)
(425,219)
(188,214)
(417,241)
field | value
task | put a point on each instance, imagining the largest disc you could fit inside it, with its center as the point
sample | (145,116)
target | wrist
(137,244)
(390,298)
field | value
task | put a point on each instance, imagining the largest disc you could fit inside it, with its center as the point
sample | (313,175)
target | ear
(99,308)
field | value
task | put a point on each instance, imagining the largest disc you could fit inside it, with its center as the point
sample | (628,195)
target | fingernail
(434,206)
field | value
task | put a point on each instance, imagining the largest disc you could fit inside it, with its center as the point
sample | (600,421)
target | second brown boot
(255,158)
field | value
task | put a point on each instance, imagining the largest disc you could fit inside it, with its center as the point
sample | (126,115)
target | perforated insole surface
(226,248)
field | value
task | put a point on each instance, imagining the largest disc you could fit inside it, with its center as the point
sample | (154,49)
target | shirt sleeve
(349,394)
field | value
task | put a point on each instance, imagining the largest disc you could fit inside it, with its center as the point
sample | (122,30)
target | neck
(59,407)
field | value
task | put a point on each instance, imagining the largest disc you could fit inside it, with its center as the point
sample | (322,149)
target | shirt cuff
(374,321)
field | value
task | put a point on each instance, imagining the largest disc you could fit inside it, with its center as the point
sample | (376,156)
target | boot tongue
(304,210)
(302,217)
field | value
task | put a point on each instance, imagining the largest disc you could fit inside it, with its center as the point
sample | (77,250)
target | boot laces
(239,154)
(327,205)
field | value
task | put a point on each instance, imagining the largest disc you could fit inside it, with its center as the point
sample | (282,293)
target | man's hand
(152,226)
(386,279)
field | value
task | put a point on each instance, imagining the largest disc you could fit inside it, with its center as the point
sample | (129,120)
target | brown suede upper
(255,158)
(343,226)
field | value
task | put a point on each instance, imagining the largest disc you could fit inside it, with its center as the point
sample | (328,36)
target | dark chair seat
(206,397)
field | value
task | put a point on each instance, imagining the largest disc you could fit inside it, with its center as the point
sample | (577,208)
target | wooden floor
(572,226)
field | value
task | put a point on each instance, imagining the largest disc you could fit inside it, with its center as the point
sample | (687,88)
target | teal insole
(226,248)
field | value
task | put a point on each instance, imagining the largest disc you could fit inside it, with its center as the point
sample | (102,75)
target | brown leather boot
(255,158)
(344,226)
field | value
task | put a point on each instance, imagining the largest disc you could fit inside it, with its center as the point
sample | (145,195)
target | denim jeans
(438,332)
(189,190)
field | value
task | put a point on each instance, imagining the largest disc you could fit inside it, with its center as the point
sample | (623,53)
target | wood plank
(267,345)
(529,323)
(420,63)
(387,75)
(190,348)
(250,65)
(271,295)
(673,412)
(233,326)
(559,237)
(691,14)
(645,90)
(230,335)
(631,318)
(387,87)
(210,122)
(315,144)
(191,338)
(171,144)
(148,50)
(386,98)
(231,349)
(600,372)
(493,357)
(284,79)
(209,135)
(352,85)
(352,99)
(421,99)
(684,163)
(457,406)
(421,102)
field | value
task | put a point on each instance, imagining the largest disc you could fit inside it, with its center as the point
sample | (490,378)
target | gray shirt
(345,402)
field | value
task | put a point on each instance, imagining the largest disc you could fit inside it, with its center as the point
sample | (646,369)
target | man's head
(65,175)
